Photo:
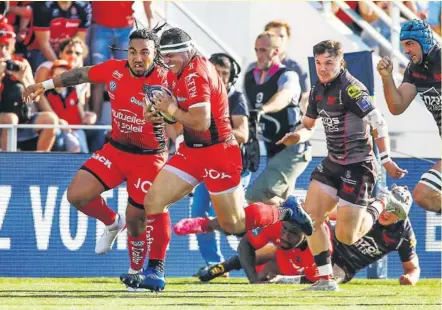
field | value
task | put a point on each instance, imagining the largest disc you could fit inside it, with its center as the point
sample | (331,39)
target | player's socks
(260,215)
(157,264)
(158,238)
(99,210)
(232,263)
(137,247)
(323,262)
(375,209)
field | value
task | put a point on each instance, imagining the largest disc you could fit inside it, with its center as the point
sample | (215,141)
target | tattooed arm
(69,78)
(72,77)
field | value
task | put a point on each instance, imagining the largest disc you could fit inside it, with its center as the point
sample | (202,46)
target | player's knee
(135,226)
(426,200)
(153,203)
(75,198)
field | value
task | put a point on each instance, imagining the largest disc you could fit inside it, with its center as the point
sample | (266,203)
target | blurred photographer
(15,76)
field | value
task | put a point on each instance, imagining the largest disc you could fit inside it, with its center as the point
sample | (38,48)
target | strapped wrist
(48,84)
(385,157)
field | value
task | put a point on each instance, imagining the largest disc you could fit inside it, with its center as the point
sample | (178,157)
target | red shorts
(112,167)
(218,166)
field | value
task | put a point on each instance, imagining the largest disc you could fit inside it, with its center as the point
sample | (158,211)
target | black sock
(232,263)
(322,258)
(284,214)
(157,264)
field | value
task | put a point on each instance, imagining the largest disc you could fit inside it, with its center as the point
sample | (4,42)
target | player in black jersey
(346,177)
(423,76)
(392,232)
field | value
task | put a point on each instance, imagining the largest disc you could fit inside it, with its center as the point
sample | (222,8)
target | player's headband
(176,48)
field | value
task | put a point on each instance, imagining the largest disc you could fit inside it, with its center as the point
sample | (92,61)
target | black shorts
(354,183)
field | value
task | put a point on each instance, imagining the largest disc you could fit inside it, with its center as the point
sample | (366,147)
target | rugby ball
(151,91)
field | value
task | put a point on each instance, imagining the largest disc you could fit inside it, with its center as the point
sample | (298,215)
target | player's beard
(141,74)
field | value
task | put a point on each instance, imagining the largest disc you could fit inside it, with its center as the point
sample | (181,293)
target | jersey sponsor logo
(256,231)
(112,85)
(364,104)
(388,239)
(143,185)
(331,100)
(136,101)
(102,159)
(191,85)
(419,76)
(72,24)
(432,99)
(127,121)
(117,75)
(367,246)
(331,124)
(354,91)
(215,175)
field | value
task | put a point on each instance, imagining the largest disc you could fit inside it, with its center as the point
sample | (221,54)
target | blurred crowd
(42,39)
(430,11)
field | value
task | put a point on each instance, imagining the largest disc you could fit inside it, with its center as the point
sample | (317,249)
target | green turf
(185,293)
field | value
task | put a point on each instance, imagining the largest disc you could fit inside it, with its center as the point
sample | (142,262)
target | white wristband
(48,84)
(385,157)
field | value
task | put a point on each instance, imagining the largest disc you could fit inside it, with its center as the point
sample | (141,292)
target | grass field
(185,293)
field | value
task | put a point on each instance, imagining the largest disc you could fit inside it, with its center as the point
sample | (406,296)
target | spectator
(18,14)
(435,15)
(15,75)
(74,51)
(360,8)
(273,91)
(282,29)
(52,23)
(70,110)
(112,22)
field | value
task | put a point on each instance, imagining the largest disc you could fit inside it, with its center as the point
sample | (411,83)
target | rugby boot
(149,278)
(324,285)
(197,225)
(299,217)
(109,236)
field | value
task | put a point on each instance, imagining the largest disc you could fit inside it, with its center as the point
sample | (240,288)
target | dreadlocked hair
(150,35)
(174,36)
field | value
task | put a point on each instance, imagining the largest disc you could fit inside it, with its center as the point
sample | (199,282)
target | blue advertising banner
(41,235)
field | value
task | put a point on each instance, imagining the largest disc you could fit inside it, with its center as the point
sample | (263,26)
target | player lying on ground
(392,232)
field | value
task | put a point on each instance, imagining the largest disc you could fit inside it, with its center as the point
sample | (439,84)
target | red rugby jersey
(129,129)
(62,25)
(199,84)
(300,257)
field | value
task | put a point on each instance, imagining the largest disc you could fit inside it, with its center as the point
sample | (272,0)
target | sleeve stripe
(200,104)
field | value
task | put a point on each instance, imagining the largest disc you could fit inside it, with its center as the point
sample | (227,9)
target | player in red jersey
(137,149)
(209,154)
(277,250)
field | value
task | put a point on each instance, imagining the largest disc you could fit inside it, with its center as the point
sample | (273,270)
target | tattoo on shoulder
(75,76)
